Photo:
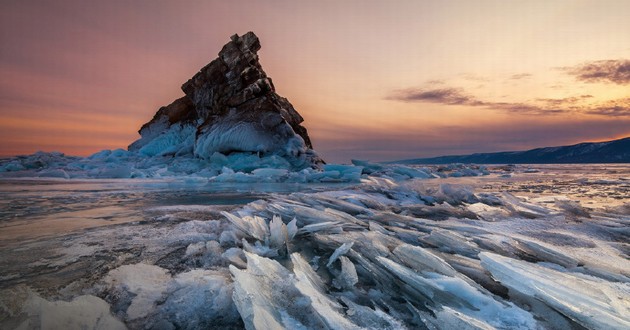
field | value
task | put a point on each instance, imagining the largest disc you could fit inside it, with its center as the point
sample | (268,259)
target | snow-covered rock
(230,106)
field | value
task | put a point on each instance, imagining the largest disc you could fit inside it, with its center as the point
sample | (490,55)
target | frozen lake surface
(36,207)
(525,247)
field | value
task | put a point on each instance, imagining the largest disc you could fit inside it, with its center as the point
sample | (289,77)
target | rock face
(230,106)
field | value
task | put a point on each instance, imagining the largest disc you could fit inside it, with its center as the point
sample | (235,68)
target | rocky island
(230,106)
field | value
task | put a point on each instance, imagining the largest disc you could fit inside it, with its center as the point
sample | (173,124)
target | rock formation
(230,106)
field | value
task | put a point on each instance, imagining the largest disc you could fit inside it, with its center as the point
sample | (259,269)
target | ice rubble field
(235,167)
(387,251)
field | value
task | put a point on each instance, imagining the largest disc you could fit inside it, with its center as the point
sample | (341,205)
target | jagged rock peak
(229,106)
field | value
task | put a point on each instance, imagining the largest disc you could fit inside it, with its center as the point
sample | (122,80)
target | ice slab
(597,304)
(147,282)
(27,310)
(440,290)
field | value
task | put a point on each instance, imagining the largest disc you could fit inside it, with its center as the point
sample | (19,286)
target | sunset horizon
(372,81)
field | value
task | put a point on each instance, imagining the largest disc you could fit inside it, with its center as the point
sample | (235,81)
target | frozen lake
(33,207)
(540,246)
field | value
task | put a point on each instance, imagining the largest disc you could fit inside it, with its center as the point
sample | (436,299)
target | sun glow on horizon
(372,79)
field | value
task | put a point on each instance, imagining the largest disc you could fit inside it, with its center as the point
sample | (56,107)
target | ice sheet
(388,252)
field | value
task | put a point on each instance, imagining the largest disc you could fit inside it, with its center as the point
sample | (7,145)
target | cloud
(523,108)
(456,96)
(435,82)
(520,76)
(614,111)
(615,108)
(474,77)
(452,96)
(567,102)
(611,71)
(541,106)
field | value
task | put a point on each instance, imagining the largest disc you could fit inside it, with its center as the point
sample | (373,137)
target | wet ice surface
(30,207)
(526,247)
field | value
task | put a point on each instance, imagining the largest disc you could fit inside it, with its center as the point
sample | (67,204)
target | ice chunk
(255,226)
(439,212)
(421,288)
(589,301)
(254,290)
(367,166)
(34,312)
(328,226)
(489,199)
(267,295)
(325,176)
(421,259)
(410,172)
(113,170)
(147,282)
(200,299)
(348,173)
(441,290)
(369,318)
(335,201)
(487,212)
(274,174)
(12,166)
(347,278)
(452,242)
(449,318)
(228,238)
(278,234)
(307,215)
(456,194)
(310,285)
(524,209)
(373,226)
(292,229)
(229,176)
(195,249)
(572,209)
(343,249)
(547,252)
(235,256)
(260,249)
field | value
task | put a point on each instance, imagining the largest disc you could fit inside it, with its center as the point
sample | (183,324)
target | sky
(377,80)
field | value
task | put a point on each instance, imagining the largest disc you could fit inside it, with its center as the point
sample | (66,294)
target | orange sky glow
(378,80)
